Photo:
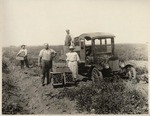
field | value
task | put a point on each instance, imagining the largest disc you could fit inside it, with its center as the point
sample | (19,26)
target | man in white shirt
(46,56)
(72,62)
(23,53)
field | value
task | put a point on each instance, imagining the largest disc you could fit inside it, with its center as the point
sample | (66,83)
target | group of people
(46,56)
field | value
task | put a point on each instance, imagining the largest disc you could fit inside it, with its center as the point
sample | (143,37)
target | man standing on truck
(72,62)
(68,41)
(45,59)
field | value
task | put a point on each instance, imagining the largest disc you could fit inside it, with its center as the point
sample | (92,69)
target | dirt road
(42,99)
(38,99)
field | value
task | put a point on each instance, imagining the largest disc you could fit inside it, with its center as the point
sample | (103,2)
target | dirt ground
(40,99)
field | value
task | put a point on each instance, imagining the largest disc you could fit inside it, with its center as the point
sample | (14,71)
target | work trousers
(25,61)
(46,68)
(73,66)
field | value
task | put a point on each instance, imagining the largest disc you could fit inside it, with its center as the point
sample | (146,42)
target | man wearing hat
(23,53)
(68,38)
(72,62)
(46,56)
(68,41)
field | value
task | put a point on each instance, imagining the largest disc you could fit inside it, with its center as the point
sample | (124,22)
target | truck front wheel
(96,76)
(131,73)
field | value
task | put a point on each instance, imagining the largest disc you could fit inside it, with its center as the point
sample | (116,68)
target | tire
(96,76)
(131,73)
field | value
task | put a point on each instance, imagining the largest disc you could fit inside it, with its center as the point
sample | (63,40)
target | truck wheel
(131,73)
(96,75)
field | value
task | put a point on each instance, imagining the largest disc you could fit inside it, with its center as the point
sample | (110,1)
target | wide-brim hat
(71,47)
(23,45)
(67,30)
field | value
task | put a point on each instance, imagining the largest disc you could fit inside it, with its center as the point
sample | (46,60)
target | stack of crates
(61,75)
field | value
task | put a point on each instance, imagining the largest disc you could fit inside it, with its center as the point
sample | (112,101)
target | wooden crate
(57,78)
(68,78)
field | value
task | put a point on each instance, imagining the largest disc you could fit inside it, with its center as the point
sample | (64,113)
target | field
(22,92)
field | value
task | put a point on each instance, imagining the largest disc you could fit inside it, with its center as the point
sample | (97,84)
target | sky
(34,22)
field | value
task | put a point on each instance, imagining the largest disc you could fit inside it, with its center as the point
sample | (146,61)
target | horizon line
(63,45)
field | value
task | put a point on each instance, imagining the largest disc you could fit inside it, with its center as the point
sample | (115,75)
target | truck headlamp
(106,66)
(122,65)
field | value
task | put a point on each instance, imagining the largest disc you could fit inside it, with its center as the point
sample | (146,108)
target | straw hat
(67,30)
(71,47)
(23,45)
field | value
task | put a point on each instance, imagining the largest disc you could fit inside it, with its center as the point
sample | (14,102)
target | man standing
(68,41)
(46,56)
(23,53)
(72,62)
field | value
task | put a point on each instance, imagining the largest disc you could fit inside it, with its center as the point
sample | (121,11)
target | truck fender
(97,66)
(128,66)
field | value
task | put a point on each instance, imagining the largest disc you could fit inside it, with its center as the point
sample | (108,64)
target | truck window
(76,41)
(97,42)
(88,42)
(103,45)
(108,41)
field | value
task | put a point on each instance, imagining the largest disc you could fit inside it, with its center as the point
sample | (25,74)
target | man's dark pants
(24,61)
(46,68)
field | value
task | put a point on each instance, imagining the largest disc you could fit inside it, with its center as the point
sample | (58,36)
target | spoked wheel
(131,73)
(96,75)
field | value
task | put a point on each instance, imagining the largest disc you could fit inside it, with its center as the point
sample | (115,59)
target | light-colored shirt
(72,56)
(23,52)
(47,54)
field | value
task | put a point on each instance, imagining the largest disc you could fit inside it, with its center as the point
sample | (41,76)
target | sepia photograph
(75,57)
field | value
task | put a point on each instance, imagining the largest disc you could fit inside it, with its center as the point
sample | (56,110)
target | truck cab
(94,49)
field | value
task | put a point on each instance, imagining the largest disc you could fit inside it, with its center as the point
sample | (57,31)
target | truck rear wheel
(96,75)
(131,73)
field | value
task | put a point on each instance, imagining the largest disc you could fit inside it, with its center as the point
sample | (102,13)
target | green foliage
(11,108)
(11,96)
(107,98)
(84,98)
(141,70)
(66,92)
(5,68)
(132,51)
(123,51)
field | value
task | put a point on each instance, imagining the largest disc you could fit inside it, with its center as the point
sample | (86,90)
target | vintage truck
(98,59)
